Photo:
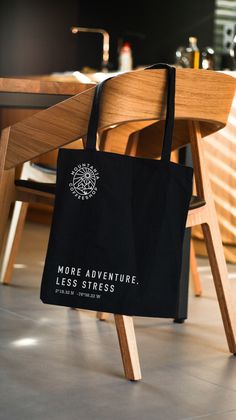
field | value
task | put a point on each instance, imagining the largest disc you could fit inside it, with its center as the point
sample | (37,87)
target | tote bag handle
(170,112)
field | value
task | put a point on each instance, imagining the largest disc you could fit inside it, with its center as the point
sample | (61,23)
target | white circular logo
(84,180)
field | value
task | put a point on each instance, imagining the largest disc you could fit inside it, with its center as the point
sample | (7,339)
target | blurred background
(35,36)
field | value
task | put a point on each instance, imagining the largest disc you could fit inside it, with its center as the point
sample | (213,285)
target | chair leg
(102,316)
(7,190)
(13,241)
(212,236)
(182,303)
(128,347)
(194,272)
(220,276)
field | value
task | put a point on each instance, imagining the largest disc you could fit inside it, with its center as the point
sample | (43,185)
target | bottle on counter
(232,52)
(208,58)
(125,59)
(188,57)
(193,53)
(181,59)
(228,59)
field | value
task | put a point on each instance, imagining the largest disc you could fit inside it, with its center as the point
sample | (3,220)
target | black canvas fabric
(118,224)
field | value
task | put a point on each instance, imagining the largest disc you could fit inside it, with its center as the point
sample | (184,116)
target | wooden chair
(196,281)
(19,213)
(39,174)
(130,102)
(28,96)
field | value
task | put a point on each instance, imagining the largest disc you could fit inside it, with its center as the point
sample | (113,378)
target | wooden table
(20,98)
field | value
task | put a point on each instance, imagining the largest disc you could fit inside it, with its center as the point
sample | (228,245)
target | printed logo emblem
(84,180)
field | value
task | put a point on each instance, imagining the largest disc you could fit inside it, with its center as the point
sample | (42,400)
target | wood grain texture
(128,347)
(127,98)
(41,86)
(120,139)
(4,139)
(7,196)
(220,153)
(207,217)
(194,271)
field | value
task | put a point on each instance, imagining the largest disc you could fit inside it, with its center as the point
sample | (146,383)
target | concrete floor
(60,364)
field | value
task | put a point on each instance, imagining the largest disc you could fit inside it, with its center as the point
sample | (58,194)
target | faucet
(105,34)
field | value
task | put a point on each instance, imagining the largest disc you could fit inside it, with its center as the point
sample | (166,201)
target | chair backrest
(203,96)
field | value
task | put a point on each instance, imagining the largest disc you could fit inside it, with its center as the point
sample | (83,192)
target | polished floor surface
(62,364)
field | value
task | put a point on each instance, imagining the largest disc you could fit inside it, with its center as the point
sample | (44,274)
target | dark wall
(35,36)
(154,27)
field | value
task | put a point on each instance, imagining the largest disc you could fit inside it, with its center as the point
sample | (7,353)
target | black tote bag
(117,232)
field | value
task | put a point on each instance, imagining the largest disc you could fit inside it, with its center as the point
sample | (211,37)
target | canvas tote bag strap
(94,117)
(170,110)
